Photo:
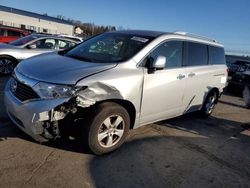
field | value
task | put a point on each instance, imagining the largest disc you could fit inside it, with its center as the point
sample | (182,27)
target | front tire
(108,128)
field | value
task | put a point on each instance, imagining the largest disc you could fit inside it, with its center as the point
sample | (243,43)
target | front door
(163,89)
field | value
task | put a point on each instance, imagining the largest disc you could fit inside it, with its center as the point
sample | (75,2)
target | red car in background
(8,34)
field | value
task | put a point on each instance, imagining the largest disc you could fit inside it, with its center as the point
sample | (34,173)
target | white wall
(15,20)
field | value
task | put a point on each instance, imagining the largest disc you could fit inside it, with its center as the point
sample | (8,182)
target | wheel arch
(213,89)
(128,106)
(217,92)
(9,56)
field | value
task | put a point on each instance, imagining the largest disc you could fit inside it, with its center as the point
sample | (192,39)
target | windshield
(109,47)
(23,40)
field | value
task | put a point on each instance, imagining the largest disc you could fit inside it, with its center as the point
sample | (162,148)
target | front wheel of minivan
(107,128)
(209,104)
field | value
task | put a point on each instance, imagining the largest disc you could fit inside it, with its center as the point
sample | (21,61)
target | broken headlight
(48,91)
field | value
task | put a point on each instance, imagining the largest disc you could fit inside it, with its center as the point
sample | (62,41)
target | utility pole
(93,29)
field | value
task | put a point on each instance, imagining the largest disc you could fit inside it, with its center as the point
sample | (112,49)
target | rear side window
(197,54)
(217,55)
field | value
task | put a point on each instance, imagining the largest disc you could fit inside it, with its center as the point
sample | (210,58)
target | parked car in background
(8,34)
(34,44)
(114,82)
(238,73)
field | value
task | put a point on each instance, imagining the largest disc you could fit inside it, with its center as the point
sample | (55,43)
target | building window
(32,28)
(22,26)
(45,30)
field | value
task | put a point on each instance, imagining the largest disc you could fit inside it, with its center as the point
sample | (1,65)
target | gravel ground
(182,152)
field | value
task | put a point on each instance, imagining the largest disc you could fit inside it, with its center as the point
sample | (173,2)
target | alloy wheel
(111,131)
(210,104)
(6,66)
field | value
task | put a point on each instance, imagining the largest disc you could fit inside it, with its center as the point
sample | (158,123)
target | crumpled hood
(58,69)
(7,46)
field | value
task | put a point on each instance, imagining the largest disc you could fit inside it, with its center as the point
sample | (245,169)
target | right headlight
(49,91)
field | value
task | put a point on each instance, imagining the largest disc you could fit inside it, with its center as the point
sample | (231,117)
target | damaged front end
(44,118)
(48,123)
(84,97)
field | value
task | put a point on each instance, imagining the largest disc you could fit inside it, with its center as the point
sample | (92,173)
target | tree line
(89,29)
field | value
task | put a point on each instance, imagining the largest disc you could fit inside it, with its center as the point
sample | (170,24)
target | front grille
(22,92)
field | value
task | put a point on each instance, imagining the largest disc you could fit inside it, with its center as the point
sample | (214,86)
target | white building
(33,21)
(78,31)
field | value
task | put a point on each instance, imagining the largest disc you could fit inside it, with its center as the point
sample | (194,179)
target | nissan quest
(114,82)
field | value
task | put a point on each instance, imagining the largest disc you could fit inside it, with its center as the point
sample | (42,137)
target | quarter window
(197,54)
(172,50)
(217,55)
(65,44)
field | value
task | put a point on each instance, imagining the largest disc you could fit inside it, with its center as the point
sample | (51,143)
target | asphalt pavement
(187,151)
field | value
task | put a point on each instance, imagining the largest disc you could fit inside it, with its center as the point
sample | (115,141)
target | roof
(39,35)
(156,34)
(238,57)
(32,14)
(142,32)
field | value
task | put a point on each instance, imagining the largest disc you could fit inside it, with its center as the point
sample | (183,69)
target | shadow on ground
(162,161)
(190,123)
(182,152)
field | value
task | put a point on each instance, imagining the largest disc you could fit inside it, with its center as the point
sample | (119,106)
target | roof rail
(194,35)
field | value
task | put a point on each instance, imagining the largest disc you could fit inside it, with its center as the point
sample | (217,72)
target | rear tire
(7,65)
(108,128)
(209,104)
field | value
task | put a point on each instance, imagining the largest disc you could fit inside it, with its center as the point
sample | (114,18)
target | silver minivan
(114,82)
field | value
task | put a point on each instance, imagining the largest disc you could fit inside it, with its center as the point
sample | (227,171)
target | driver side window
(44,44)
(172,50)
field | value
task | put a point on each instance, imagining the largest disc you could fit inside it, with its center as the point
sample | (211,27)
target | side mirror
(157,64)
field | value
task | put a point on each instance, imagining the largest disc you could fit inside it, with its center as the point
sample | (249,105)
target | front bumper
(30,115)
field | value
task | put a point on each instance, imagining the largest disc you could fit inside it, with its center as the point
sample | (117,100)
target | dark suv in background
(8,34)
(239,72)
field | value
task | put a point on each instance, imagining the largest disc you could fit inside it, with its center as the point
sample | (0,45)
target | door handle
(180,76)
(191,74)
